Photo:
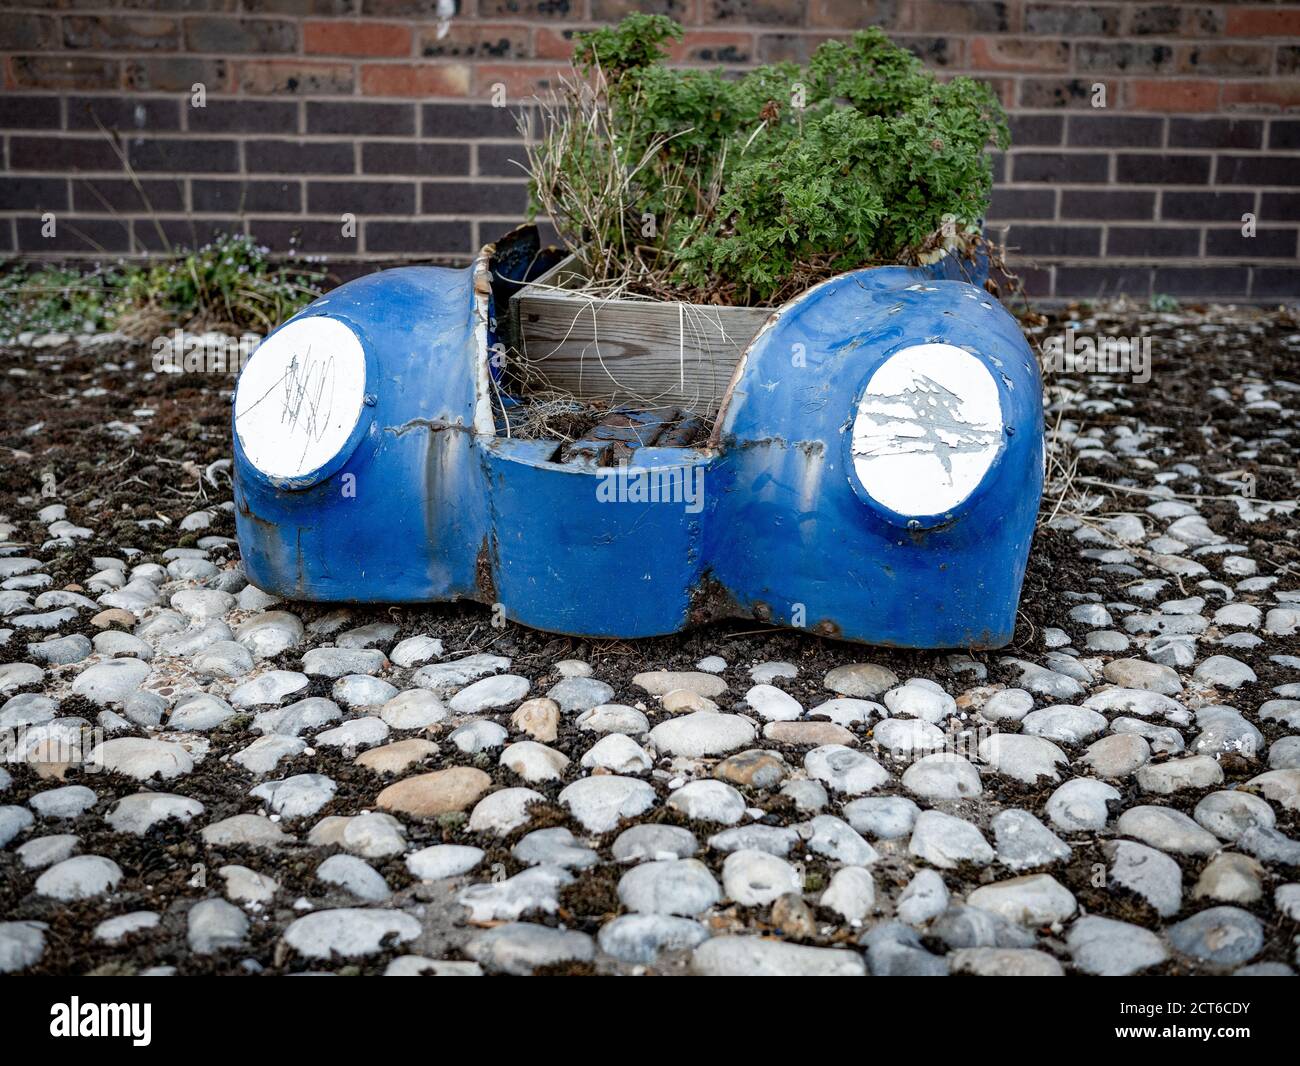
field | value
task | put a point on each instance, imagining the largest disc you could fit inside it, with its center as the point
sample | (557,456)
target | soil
(56,422)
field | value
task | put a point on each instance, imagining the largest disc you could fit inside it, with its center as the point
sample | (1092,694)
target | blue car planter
(873,471)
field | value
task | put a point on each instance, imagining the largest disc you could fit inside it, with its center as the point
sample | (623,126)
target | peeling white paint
(300,396)
(927,429)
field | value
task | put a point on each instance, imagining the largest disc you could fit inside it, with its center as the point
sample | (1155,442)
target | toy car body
(874,472)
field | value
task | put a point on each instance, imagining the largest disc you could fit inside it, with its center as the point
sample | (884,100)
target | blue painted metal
(770,522)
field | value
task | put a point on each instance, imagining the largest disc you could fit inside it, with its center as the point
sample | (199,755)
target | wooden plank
(646,353)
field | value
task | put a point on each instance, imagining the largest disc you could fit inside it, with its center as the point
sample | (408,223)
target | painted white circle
(928,427)
(299,396)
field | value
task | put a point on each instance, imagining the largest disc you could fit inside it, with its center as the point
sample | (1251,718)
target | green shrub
(758,186)
(231,281)
(55,299)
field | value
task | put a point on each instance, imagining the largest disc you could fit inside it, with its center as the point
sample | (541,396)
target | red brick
(177,74)
(713,47)
(1239,60)
(1073,93)
(1263,22)
(1172,95)
(553,44)
(1261,96)
(64,72)
(296,78)
(460,40)
(121,34)
(522,81)
(960,16)
(856,14)
(1001,53)
(356,39)
(412,79)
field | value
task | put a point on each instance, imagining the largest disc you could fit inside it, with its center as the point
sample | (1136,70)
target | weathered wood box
(650,353)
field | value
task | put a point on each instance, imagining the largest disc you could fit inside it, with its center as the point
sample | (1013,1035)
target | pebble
(1229,814)
(1136,673)
(860,680)
(359,690)
(481,734)
(534,890)
(670,886)
(1032,900)
(518,948)
(1117,756)
(614,718)
(80,877)
(142,758)
(924,898)
(617,753)
(1079,805)
(539,718)
(297,796)
(576,694)
(837,840)
(248,830)
(773,705)
(142,811)
(199,712)
(415,651)
(661,682)
(944,775)
(416,708)
(945,841)
(398,757)
(440,792)
(709,801)
(1231,878)
(601,802)
(503,811)
(752,956)
(248,886)
(895,950)
(1025,758)
(1148,873)
(489,692)
(702,734)
(1023,842)
(110,682)
(882,817)
(915,700)
(349,932)
(1177,775)
(1220,936)
(652,842)
(70,801)
(443,860)
(1108,948)
(842,769)
(556,846)
(268,634)
(116,930)
(1225,672)
(639,939)
(1168,830)
(354,876)
(214,925)
(340,662)
(268,689)
(851,894)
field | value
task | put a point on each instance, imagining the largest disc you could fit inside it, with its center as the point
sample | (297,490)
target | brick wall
(383,109)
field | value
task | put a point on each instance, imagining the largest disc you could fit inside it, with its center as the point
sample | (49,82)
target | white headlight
(927,429)
(300,396)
